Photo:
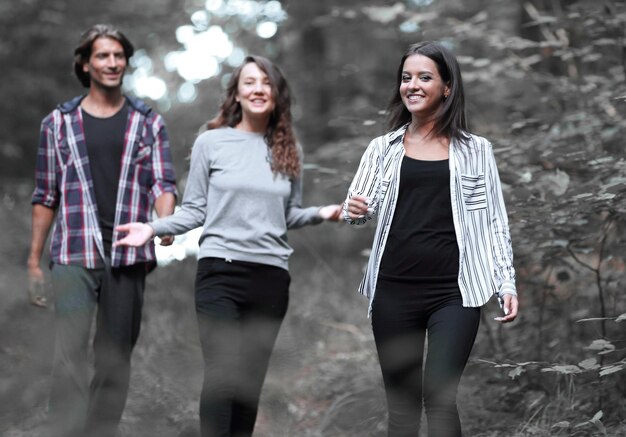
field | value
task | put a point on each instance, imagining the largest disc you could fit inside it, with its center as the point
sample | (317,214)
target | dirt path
(324,379)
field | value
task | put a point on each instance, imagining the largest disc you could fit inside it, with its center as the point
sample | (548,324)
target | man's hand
(36,286)
(42,218)
(167,240)
(138,234)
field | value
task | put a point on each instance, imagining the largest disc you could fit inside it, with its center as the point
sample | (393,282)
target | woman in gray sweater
(244,188)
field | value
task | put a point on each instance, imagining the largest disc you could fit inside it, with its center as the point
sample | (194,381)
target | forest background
(545,82)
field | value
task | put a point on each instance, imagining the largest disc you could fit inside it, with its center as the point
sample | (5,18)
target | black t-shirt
(105,143)
(421,245)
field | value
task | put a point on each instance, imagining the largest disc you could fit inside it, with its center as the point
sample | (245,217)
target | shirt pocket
(142,164)
(65,156)
(473,187)
(143,154)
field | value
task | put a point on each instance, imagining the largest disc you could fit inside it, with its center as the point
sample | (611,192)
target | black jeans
(240,307)
(402,315)
(78,407)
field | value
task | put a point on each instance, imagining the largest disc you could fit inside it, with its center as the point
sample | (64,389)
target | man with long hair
(103,159)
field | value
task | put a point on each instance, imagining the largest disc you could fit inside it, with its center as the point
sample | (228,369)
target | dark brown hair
(279,135)
(450,120)
(82,53)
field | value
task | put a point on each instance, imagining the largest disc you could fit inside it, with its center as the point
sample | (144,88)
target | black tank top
(421,245)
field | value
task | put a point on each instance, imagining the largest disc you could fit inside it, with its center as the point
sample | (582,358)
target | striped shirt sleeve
(367,182)
(501,239)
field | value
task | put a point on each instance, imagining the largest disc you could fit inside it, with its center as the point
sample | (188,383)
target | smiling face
(254,93)
(421,87)
(106,64)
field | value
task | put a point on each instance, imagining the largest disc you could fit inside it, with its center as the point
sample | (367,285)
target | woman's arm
(296,216)
(502,250)
(190,215)
(362,201)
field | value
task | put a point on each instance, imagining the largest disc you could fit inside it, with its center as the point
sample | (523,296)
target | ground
(323,381)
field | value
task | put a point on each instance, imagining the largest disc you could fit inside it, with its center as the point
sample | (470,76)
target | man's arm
(164,205)
(42,218)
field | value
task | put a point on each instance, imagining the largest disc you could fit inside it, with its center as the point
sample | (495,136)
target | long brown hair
(451,120)
(279,135)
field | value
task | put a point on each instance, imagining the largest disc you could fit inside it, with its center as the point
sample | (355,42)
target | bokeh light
(266,29)
(187,92)
(194,67)
(206,45)
(151,87)
(236,57)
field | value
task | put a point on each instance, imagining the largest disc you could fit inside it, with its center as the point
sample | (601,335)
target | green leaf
(555,243)
(603,346)
(597,416)
(596,421)
(567,369)
(516,372)
(589,364)
(607,370)
(562,424)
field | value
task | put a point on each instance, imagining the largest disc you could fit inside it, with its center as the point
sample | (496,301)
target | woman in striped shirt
(442,246)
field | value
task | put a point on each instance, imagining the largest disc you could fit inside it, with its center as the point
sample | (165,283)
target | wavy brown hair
(279,135)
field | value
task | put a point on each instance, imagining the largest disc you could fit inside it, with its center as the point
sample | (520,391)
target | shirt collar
(136,104)
(398,134)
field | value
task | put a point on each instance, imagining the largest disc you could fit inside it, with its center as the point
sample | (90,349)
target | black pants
(240,307)
(77,407)
(402,316)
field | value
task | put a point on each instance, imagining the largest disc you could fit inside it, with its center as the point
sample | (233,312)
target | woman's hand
(510,307)
(138,234)
(357,207)
(330,212)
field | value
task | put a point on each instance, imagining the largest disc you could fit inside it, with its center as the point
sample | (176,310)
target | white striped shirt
(478,211)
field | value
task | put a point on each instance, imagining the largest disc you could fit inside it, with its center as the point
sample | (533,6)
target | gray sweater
(244,208)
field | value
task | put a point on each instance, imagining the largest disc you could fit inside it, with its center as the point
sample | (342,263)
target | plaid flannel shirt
(64,183)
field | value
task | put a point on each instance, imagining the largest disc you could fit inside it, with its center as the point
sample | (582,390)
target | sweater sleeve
(296,216)
(193,209)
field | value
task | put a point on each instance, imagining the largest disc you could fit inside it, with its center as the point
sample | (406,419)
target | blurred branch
(623,38)
(542,308)
(597,272)
(534,14)
(611,9)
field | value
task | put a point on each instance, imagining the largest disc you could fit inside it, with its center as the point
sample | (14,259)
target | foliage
(550,94)
(545,82)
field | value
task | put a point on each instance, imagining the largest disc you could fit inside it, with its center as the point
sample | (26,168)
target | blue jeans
(77,406)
